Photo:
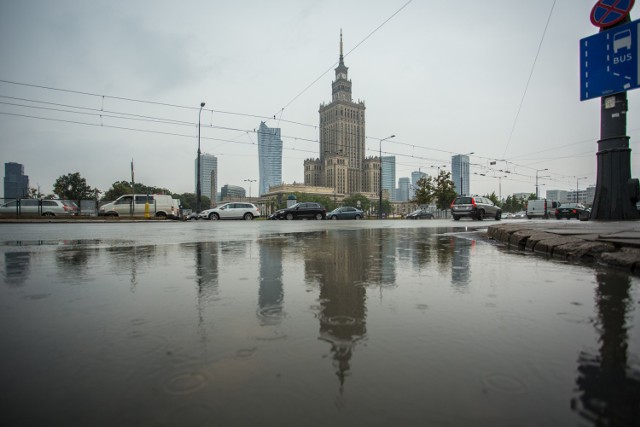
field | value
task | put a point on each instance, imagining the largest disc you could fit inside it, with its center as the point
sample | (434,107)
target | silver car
(233,210)
(38,206)
(474,207)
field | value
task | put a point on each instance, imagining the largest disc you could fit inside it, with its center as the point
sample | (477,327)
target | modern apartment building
(16,183)
(269,157)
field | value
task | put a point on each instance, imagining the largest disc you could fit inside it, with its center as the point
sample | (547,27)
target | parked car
(475,207)
(345,212)
(510,215)
(233,210)
(34,206)
(420,214)
(521,215)
(303,210)
(573,210)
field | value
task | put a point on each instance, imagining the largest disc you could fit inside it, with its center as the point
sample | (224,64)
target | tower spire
(341,57)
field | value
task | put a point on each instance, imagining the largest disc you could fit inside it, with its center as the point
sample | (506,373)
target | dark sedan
(345,212)
(420,214)
(304,210)
(573,210)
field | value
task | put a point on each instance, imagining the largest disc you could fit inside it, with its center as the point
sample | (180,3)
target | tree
(188,200)
(493,198)
(386,207)
(353,200)
(425,191)
(73,187)
(120,188)
(438,189)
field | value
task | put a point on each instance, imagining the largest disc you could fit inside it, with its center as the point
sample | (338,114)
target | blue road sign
(609,61)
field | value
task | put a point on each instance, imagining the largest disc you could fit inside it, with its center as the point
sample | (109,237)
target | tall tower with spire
(342,138)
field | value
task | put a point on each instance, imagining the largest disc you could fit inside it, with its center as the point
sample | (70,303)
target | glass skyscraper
(208,175)
(402,194)
(460,173)
(415,177)
(269,157)
(16,183)
(389,175)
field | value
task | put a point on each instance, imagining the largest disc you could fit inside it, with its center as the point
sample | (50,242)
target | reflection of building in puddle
(342,264)
(270,292)
(74,263)
(461,261)
(16,268)
(609,379)
(207,259)
(126,260)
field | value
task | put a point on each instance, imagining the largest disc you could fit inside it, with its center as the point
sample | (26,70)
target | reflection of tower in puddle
(16,268)
(609,381)
(206,254)
(341,263)
(270,292)
(460,263)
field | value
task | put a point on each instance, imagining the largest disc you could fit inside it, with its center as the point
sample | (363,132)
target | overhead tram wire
(131,129)
(131,116)
(142,101)
(426,159)
(177,122)
(136,117)
(515,121)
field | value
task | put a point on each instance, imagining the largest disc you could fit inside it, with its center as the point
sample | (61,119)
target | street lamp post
(538,170)
(250,181)
(198,187)
(380,180)
(438,167)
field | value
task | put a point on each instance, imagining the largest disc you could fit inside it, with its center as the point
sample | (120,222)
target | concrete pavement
(614,243)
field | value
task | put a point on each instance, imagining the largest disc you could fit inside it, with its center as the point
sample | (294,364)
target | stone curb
(569,248)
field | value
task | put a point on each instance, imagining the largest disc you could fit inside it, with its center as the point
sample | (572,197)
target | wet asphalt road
(308,323)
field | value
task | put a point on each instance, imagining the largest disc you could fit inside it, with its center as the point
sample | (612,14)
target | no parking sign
(609,12)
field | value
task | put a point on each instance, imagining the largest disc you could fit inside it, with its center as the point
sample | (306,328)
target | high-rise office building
(342,139)
(208,175)
(389,175)
(402,193)
(460,173)
(415,177)
(269,157)
(16,183)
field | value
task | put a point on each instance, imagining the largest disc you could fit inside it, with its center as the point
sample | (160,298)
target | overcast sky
(445,77)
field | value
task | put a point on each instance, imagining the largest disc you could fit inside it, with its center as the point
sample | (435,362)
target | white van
(541,208)
(160,205)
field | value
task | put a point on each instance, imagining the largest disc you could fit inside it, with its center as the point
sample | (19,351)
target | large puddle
(335,326)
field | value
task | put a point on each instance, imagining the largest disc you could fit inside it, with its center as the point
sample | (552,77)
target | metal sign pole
(616,192)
